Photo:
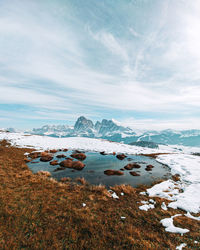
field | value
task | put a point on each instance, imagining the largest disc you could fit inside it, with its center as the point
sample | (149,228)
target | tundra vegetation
(38,212)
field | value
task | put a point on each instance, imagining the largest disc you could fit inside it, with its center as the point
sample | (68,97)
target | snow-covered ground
(183,194)
(82,143)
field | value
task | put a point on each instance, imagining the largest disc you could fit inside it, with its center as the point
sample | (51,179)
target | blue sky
(135,61)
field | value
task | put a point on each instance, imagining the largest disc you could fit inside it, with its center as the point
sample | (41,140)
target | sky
(137,61)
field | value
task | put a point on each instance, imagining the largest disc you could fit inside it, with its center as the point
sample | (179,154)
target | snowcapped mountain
(54,130)
(114,131)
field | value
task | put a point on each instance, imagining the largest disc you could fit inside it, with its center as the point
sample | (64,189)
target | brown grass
(37,212)
(154,155)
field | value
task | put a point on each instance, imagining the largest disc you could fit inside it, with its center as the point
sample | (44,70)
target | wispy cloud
(66,57)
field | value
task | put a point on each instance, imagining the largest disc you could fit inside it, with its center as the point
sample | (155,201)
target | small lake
(96,164)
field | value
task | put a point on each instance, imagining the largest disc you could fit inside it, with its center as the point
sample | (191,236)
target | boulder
(66,163)
(133,173)
(65,150)
(149,167)
(60,156)
(78,165)
(113,172)
(34,155)
(54,163)
(45,153)
(130,166)
(47,157)
(78,156)
(68,158)
(103,153)
(53,151)
(121,156)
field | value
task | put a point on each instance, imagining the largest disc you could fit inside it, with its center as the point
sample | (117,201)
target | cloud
(56,59)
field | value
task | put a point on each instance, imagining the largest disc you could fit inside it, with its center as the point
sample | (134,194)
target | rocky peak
(83,124)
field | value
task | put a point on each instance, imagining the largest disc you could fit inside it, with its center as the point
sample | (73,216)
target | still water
(96,164)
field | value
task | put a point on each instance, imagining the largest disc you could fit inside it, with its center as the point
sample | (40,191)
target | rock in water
(54,163)
(113,172)
(78,156)
(66,163)
(78,165)
(121,156)
(133,173)
(47,157)
(130,166)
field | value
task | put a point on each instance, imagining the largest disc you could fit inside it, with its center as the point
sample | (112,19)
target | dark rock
(149,167)
(53,151)
(103,153)
(60,156)
(34,155)
(122,169)
(130,166)
(44,153)
(66,163)
(176,177)
(113,172)
(121,156)
(65,150)
(78,165)
(68,158)
(46,158)
(78,156)
(54,163)
(133,173)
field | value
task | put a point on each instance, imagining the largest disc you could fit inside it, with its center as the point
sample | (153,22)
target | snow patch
(180,247)
(169,226)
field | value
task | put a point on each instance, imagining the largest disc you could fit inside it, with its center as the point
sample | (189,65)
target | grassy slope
(37,212)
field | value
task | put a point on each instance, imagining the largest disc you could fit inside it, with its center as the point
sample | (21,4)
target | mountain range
(113,131)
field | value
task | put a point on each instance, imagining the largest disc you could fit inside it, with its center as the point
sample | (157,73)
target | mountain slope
(113,131)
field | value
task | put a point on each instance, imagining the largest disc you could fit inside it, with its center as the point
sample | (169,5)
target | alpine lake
(96,163)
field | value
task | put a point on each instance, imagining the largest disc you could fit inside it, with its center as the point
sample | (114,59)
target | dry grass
(37,212)
(154,155)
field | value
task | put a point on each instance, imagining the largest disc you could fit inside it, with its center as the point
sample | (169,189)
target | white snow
(123,217)
(146,207)
(169,226)
(180,247)
(188,166)
(152,201)
(183,194)
(82,143)
(167,189)
(113,194)
(192,217)
(163,206)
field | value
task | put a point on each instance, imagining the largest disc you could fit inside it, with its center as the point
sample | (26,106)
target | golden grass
(37,212)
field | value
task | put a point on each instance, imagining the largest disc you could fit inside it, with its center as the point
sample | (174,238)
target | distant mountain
(113,131)
(54,130)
